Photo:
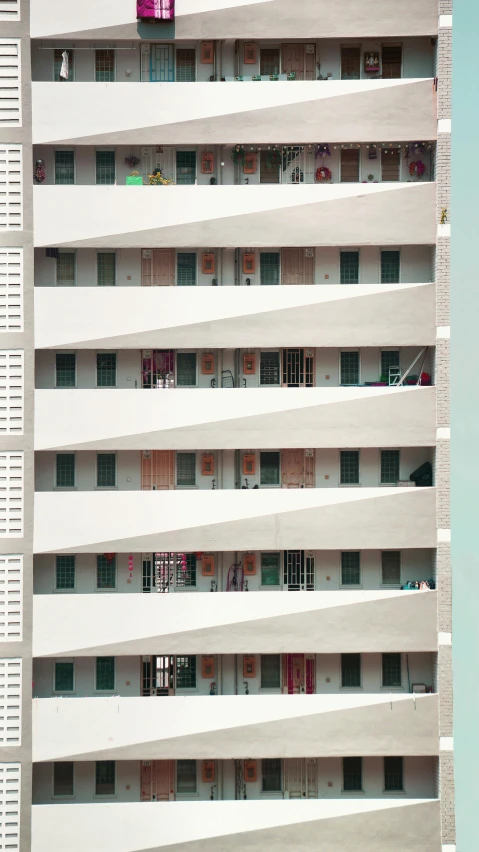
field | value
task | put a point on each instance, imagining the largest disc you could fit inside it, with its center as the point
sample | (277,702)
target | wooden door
(157,780)
(390,164)
(292,468)
(391,61)
(292,59)
(299,674)
(158,267)
(297,266)
(269,167)
(157,470)
(350,63)
(350,165)
(300,777)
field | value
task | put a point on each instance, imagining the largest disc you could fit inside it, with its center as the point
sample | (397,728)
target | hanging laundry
(163,10)
(64,68)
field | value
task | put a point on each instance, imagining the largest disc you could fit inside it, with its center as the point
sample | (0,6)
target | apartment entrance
(298,368)
(157,780)
(157,675)
(157,470)
(297,468)
(298,570)
(297,266)
(299,674)
(299,59)
(301,778)
(157,368)
(158,267)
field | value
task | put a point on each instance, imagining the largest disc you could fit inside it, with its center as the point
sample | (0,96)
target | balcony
(261,824)
(289,215)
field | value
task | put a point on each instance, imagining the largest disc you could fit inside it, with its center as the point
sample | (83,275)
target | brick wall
(446,791)
(442,274)
(444,587)
(442,381)
(443,174)
(444,68)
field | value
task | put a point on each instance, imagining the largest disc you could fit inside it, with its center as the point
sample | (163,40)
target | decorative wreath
(323,174)
(417,168)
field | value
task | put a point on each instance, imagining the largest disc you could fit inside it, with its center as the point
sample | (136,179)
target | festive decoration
(132,161)
(417,168)
(323,174)
(273,158)
(322,151)
(39,174)
(238,154)
(156,180)
(443,215)
(130,565)
(109,556)
(371,61)
(297,175)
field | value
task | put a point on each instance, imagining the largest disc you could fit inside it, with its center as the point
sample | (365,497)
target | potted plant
(134,179)
(425,379)
(411,380)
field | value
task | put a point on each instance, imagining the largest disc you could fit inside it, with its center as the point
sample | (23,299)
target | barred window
(65,269)
(351,670)
(105,571)
(349,467)
(269,368)
(271,772)
(105,778)
(64,676)
(104,66)
(186,269)
(186,776)
(269,468)
(65,572)
(186,369)
(63,778)
(270,569)
(105,674)
(390,267)
(105,167)
(350,568)
(391,665)
(352,774)
(391,567)
(106,470)
(270,671)
(65,370)
(269,267)
(186,570)
(389,358)
(186,672)
(389,467)
(349,267)
(106,369)
(393,774)
(269,61)
(106,269)
(65,470)
(64,167)
(185,65)
(186,469)
(349,368)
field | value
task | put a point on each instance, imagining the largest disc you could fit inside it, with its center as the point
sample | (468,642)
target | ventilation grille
(10,83)
(10,806)
(11,391)
(11,289)
(9,10)
(10,187)
(10,701)
(11,495)
(11,590)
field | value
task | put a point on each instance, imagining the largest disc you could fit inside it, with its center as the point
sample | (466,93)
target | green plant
(383,378)
(238,154)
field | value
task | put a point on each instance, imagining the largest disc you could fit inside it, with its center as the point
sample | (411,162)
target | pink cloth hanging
(161,9)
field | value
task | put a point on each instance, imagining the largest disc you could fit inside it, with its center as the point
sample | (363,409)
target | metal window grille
(105,167)
(351,670)
(186,569)
(64,677)
(350,568)
(390,266)
(186,776)
(106,269)
(64,167)
(186,672)
(65,572)
(271,772)
(147,575)
(65,367)
(186,469)
(389,466)
(389,358)
(393,773)
(269,468)
(349,464)
(269,61)
(104,66)
(298,368)
(186,269)
(185,167)
(391,568)
(66,269)
(105,674)
(164,571)
(270,671)
(269,368)
(106,369)
(349,368)
(186,369)
(65,470)
(106,470)
(105,778)
(185,65)
(269,267)
(298,571)
(57,65)
(390,164)
(270,569)
(352,773)
(349,267)
(391,670)
(105,572)
(63,778)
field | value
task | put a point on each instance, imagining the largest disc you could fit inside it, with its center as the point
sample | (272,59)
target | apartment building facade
(183,668)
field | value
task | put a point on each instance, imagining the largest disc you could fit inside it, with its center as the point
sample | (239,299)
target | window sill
(350,485)
(65,488)
(351,586)
(351,689)
(275,588)
(109,797)
(190,488)
(394,792)
(112,589)
(64,797)
(391,689)
(272,794)
(106,488)
(106,693)
(63,694)
(353,793)
(185,797)
(391,586)
(275,690)
(64,591)
(185,691)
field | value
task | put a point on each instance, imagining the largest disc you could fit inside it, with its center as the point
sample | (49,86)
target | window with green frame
(106,269)
(186,168)
(270,671)
(391,568)
(350,568)
(389,467)
(270,569)
(106,369)
(186,776)
(389,358)
(269,267)
(185,65)
(64,676)
(186,269)
(104,66)
(65,477)
(57,66)
(63,778)
(269,468)
(105,572)
(186,469)
(349,368)
(351,670)
(349,467)
(105,167)
(391,670)
(271,775)
(105,674)
(186,672)
(349,267)
(352,774)
(186,369)
(66,269)
(105,778)
(390,267)
(65,369)
(269,368)
(64,571)
(106,470)
(393,774)
(64,167)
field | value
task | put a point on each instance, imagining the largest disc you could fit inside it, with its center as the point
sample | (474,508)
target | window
(186,672)
(392,670)
(57,66)
(270,671)
(65,572)
(65,370)
(105,674)
(64,167)
(105,778)
(269,468)
(106,269)
(63,778)
(186,369)
(105,572)
(349,267)
(104,66)
(390,264)
(350,568)
(65,269)
(186,570)
(269,61)
(64,676)
(269,368)
(350,165)
(65,470)
(391,568)
(269,267)
(270,569)
(393,774)
(185,65)
(349,368)
(186,269)
(392,61)
(352,774)
(105,167)
(271,770)
(349,467)
(106,369)
(106,470)
(389,358)
(186,776)
(186,469)
(390,164)
(389,467)
(351,670)
(350,63)
(185,167)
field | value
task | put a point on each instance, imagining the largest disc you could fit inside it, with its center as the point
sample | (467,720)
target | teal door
(162,63)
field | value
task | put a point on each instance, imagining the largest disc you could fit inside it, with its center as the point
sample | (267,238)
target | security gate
(298,570)
(301,778)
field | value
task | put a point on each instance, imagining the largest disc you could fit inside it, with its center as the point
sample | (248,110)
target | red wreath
(323,174)
(109,556)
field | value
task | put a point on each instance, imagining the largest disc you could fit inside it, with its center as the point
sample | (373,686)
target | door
(298,368)
(298,570)
(297,468)
(161,63)
(270,162)
(158,267)
(157,470)
(157,780)
(269,61)
(299,674)
(297,266)
(157,675)
(350,165)
(390,164)
(185,168)
(157,368)
(292,60)
(350,63)
(391,62)
(301,777)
